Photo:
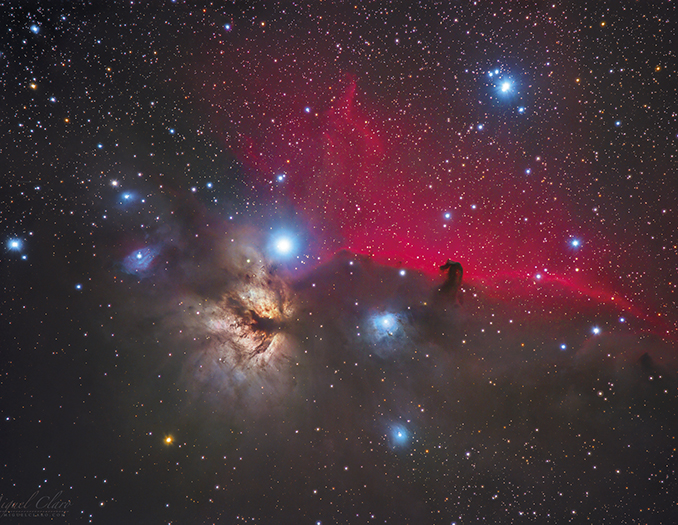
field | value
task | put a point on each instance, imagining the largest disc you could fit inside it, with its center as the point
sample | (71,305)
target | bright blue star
(172,131)
(563,346)
(521,110)
(227,27)
(622,320)
(35,29)
(528,171)
(127,196)
(209,185)
(505,87)
(595,330)
(403,273)
(618,123)
(307,109)
(283,245)
(480,126)
(538,276)
(448,216)
(576,243)
(78,286)
(281,177)
(14,244)
(100,146)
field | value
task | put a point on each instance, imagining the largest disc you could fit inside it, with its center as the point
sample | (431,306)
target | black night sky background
(223,227)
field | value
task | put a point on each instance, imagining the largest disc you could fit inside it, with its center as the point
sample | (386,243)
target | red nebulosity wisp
(373,176)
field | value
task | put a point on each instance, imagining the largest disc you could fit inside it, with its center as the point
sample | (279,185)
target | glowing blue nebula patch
(386,324)
(387,333)
(398,436)
(140,261)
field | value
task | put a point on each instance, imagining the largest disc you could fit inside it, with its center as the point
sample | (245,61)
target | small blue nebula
(35,29)
(398,435)
(385,322)
(386,331)
(140,261)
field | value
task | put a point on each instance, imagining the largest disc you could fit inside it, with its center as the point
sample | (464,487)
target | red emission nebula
(366,176)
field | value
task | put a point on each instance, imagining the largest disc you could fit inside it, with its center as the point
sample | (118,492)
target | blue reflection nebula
(385,325)
(398,436)
(140,261)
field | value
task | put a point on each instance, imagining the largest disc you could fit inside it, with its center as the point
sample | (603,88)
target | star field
(225,290)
